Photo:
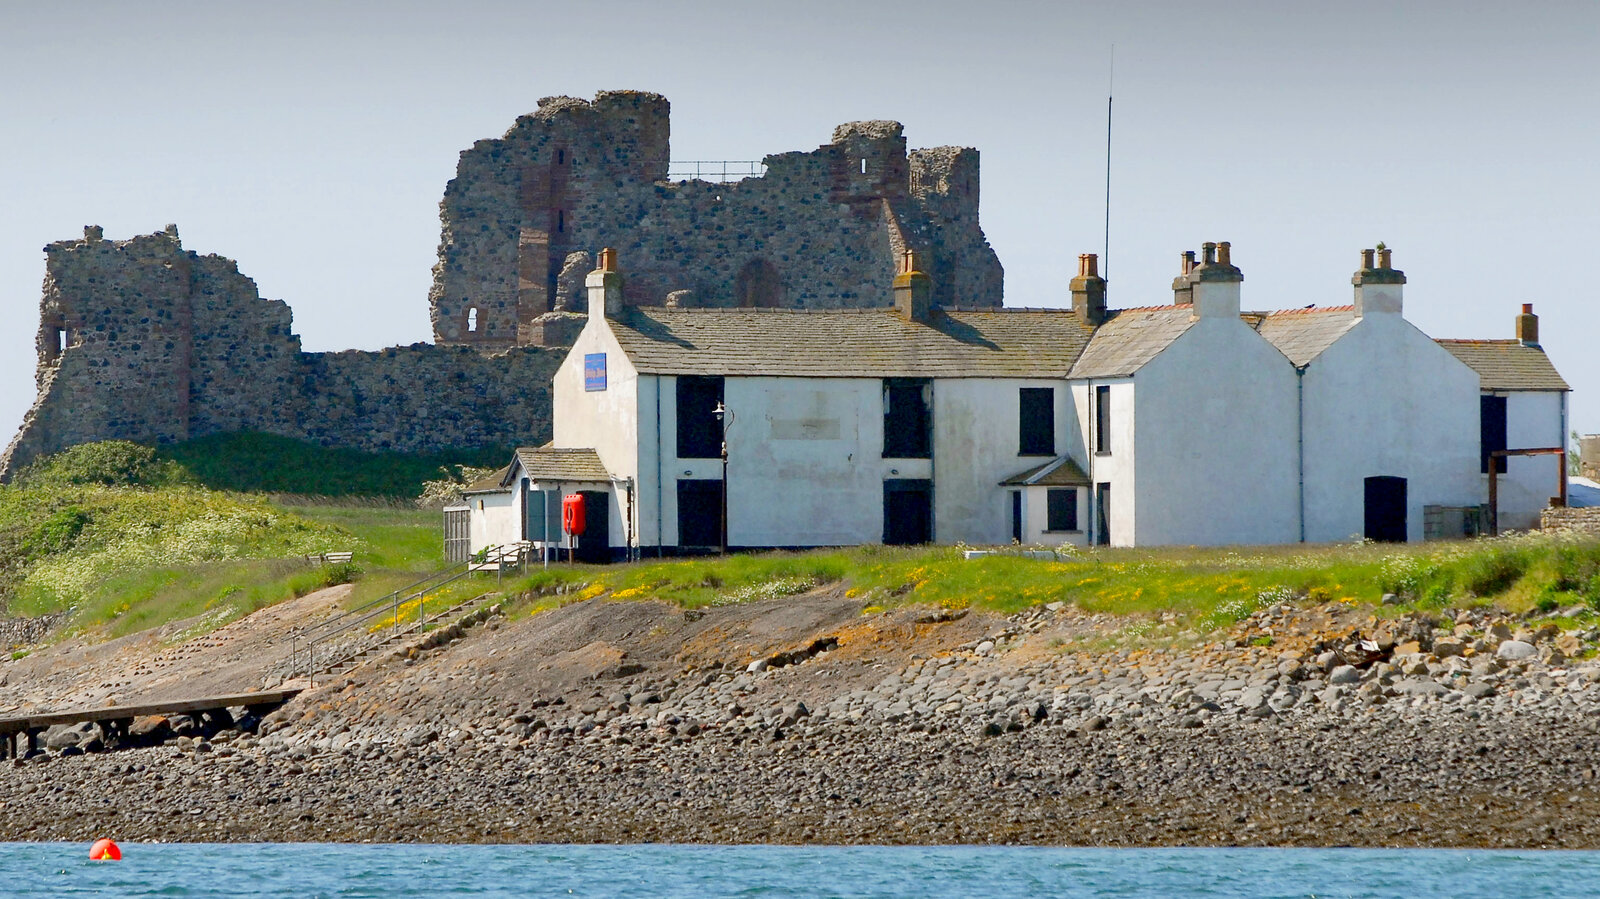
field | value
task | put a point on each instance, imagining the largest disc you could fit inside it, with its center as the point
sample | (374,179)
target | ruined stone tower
(142,340)
(819,229)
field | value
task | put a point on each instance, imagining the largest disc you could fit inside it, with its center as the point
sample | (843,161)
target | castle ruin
(142,340)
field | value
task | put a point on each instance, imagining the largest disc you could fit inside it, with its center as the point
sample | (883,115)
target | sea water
(391,872)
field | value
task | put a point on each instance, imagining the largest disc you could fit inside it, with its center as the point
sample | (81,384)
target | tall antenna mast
(1105,259)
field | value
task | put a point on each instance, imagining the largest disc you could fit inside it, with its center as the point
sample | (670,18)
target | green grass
(1197,589)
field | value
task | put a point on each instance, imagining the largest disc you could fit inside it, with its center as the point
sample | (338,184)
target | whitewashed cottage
(1188,423)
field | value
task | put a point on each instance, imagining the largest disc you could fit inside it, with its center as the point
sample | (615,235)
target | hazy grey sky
(312,141)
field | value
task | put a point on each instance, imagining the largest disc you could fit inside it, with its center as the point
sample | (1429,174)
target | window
(1102,419)
(1037,421)
(1492,431)
(1016,516)
(561,220)
(1062,509)
(472,319)
(1102,511)
(699,432)
(907,424)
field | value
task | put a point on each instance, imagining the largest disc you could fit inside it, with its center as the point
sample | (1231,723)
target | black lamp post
(726,417)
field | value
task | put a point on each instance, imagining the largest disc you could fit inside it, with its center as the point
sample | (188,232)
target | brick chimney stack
(1089,291)
(1215,282)
(604,285)
(1528,326)
(1183,285)
(1378,284)
(913,290)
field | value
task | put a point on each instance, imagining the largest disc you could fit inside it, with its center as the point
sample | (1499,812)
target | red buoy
(105,851)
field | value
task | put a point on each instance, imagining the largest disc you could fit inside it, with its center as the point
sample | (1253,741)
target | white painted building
(1523,406)
(1190,423)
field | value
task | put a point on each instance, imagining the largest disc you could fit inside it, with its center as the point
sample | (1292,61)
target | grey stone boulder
(1344,674)
(1515,650)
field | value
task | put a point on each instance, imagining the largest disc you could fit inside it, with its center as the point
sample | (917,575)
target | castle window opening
(561,157)
(561,220)
(472,319)
(61,340)
(759,285)
(863,165)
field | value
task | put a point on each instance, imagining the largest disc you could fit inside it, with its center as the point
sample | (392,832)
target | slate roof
(547,463)
(1062,472)
(852,343)
(1507,364)
(1130,338)
(489,483)
(1302,334)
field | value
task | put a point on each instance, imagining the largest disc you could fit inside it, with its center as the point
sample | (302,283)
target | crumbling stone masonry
(142,340)
(821,229)
(1580,520)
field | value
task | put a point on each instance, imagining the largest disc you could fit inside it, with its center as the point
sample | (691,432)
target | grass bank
(1198,590)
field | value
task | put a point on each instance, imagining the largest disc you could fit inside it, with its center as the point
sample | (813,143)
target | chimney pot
(604,286)
(1089,291)
(913,290)
(1187,265)
(1528,326)
(1385,258)
(1366,260)
(608,260)
(1208,253)
(1224,253)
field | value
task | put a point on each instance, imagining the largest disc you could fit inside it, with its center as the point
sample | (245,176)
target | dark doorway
(1386,509)
(1016,516)
(1102,514)
(907,511)
(699,513)
(594,544)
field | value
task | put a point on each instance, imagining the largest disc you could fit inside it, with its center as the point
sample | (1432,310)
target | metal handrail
(717,170)
(389,603)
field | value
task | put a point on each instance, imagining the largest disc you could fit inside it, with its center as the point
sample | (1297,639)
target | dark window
(907,426)
(1102,511)
(1492,430)
(1016,515)
(1062,508)
(1037,424)
(699,432)
(561,220)
(1102,419)
(699,513)
(907,511)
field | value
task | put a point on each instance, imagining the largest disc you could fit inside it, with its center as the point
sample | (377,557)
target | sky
(311,141)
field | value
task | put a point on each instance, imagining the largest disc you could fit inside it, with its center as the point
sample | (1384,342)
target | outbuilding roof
(548,463)
(852,343)
(1507,364)
(489,483)
(1302,334)
(1062,472)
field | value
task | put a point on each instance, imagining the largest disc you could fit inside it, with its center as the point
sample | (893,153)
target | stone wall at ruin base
(1581,520)
(143,340)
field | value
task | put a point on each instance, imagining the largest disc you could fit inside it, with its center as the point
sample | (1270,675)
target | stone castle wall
(1581,520)
(142,340)
(820,229)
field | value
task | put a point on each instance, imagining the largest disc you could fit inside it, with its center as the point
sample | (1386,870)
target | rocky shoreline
(1305,726)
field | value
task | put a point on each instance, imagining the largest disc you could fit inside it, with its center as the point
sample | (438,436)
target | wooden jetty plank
(22,723)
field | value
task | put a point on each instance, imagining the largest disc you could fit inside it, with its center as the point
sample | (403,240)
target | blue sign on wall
(594,371)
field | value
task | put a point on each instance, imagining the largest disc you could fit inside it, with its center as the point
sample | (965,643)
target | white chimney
(1216,282)
(1378,286)
(605,286)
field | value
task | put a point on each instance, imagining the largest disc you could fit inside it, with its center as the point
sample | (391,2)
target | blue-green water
(391,872)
